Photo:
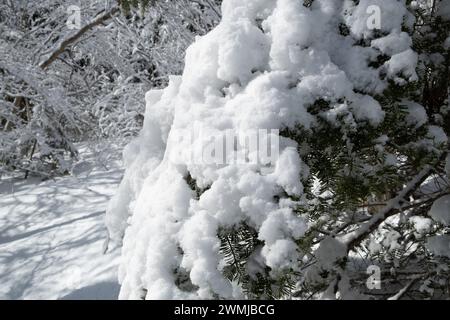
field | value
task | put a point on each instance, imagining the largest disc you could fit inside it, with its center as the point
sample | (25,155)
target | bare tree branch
(73,38)
(405,289)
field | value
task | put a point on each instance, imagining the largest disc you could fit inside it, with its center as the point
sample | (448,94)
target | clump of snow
(437,134)
(367,108)
(393,43)
(403,64)
(391,240)
(330,251)
(243,49)
(440,210)
(375,247)
(289,165)
(417,115)
(260,68)
(282,253)
(422,225)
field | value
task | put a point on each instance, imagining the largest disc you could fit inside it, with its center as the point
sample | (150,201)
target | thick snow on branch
(259,69)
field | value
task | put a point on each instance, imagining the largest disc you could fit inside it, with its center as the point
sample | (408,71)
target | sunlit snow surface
(52,234)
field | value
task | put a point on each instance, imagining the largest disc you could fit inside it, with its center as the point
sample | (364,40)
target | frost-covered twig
(405,289)
(73,38)
(354,238)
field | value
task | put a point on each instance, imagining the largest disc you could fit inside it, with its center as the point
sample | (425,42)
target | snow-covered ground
(52,233)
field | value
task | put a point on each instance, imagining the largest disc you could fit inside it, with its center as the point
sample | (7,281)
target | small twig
(404,291)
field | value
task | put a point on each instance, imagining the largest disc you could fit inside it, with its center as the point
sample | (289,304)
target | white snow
(404,64)
(421,225)
(52,234)
(381,214)
(282,253)
(393,43)
(243,49)
(417,116)
(367,108)
(391,240)
(330,251)
(391,16)
(437,134)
